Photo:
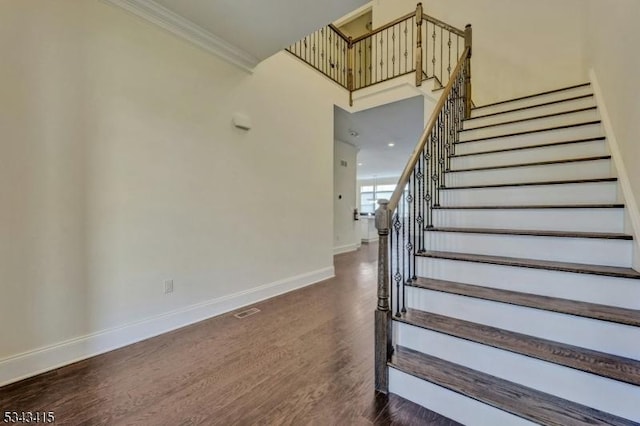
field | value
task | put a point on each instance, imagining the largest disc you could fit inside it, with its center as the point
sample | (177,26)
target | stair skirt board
(604,290)
(584,388)
(590,169)
(597,251)
(561,219)
(483,110)
(547,136)
(571,104)
(531,124)
(564,193)
(450,404)
(602,336)
(563,150)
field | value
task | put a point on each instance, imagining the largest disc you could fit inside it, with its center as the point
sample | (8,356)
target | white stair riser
(613,291)
(547,153)
(534,100)
(583,220)
(534,124)
(584,388)
(450,404)
(617,339)
(529,139)
(530,112)
(573,193)
(540,173)
(596,251)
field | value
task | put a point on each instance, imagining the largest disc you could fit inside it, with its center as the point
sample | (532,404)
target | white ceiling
(400,123)
(260,28)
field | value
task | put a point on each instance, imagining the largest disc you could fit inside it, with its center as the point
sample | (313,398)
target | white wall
(519,46)
(610,33)
(119,168)
(346,236)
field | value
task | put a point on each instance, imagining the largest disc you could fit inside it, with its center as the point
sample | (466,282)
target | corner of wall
(632,222)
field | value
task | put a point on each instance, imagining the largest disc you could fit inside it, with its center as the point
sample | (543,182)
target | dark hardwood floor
(305,358)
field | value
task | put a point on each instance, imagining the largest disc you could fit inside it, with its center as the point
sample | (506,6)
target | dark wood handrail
(443,25)
(340,33)
(415,155)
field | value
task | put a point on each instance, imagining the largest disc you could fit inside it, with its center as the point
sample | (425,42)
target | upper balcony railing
(414,43)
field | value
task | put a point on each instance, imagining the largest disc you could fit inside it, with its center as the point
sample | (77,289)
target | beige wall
(610,33)
(520,46)
(119,168)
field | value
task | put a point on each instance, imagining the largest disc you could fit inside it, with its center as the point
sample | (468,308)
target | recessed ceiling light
(353,133)
(391,144)
(359,164)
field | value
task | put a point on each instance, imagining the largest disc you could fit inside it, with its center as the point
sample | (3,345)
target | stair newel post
(383,346)
(350,61)
(468,35)
(419,44)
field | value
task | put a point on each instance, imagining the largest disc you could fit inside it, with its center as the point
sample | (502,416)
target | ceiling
(400,123)
(259,28)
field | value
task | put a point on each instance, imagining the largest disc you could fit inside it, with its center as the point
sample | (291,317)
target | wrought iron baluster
(413,42)
(433,59)
(449,66)
(405,258)
(393,50)
(408,245)
(422,167)
(359,64)
(412,238)
(397,276)
(441,55)
(382,57)
(406,47)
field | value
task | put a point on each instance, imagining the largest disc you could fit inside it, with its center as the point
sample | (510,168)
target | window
(370,194)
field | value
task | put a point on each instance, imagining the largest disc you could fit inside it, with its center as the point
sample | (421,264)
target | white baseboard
(370,240)
(631,204)
(27,364)
(346,248)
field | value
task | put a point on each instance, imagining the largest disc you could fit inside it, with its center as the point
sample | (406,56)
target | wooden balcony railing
(414,43)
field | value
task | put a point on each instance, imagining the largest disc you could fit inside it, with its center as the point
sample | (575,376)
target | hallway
(305,358)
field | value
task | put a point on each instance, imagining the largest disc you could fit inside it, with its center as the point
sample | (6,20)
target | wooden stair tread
(573,98)
(539,163)
(533,206)
(527,132)
(519,400)
(595,362)
(536,146)
(535,233)
(547,303)
(552,182)
(579,268)
(533,95)
(520,120)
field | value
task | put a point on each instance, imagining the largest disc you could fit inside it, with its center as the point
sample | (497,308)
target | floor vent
(247,313)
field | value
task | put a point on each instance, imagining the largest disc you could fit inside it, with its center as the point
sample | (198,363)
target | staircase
(518,303)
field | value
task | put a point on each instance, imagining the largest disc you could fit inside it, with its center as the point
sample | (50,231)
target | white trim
(346,248)
(40,360)
(631,204)
(370,240)
(178,25)
(393,90)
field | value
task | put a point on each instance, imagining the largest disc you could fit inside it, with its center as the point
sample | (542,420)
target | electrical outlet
(168,286)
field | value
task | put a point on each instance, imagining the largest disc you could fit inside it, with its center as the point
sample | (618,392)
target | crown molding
(182,27)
